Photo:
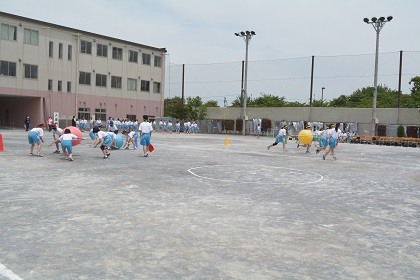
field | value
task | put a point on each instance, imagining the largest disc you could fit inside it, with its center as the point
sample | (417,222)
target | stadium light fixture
(247,35)
(377,25)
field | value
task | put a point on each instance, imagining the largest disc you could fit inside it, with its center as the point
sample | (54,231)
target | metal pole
(375,81)
(248,36)
(399,88)
(312,85)
(183,75)
(322,96)
(312,81)
(242,91)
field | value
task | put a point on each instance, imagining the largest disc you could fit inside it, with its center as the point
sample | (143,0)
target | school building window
(69,50)
(7,68)
(51,49)
(8,32)
(115,82)
(68,86)
(50,84)
(158,61)
(60,50)
(100,80)
(146,58)
(132,84)
(30,37)
(83,113)
(156,87)
(85,47)
(30,71)
(116,53)
(102,50)
(84,78)
(60,86)
(131,117)
(132,56)
(145,85)
(100,114)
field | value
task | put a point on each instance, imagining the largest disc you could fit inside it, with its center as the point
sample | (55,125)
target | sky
(200,34)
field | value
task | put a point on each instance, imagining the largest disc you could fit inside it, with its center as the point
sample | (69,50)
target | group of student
(35,136)
(167,127)
(100,137)
(327,138)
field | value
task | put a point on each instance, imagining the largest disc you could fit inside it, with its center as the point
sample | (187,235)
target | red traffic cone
(1,143)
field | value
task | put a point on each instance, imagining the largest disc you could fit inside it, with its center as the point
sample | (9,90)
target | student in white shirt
(56,132)
(93,136)
(35,137)
(130,140)
(333,138)
(160,126)
(280,138)
(323,139)
(104,139)
(145,134)
(113,135)
(66,143)
(188,131)
(170,126)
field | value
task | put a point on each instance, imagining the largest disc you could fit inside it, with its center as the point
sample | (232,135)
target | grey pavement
(196,209)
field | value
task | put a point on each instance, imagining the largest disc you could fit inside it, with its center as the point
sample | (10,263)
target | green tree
(341,101)
(415,92)
(175,108)
(237,102)
(211,103)
(195,108)
(296,104)
(400,131)
(416,84)
(363,98)
(268,100)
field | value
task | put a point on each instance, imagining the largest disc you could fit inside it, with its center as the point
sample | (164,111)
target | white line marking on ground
(8,273)
(268,167)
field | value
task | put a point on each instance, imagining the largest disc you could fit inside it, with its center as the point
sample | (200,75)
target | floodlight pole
(377,24)
(246,35)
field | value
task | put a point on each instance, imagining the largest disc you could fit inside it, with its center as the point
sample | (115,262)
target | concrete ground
(196,209)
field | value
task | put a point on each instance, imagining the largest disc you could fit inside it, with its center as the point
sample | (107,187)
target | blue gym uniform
(145,139)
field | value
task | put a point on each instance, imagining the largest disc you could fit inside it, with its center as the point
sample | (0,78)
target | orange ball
(305,136)
(74,130)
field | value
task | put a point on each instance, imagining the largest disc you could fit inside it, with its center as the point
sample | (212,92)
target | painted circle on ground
(305,136)
(255,174)
(74,130)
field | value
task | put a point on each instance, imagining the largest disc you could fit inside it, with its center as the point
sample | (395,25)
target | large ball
(74,130)
(118,142)
(305,136)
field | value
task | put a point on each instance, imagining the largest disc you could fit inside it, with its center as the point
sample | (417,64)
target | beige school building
(47,68)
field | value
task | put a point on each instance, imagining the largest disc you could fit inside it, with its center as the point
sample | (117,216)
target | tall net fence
(291,78)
